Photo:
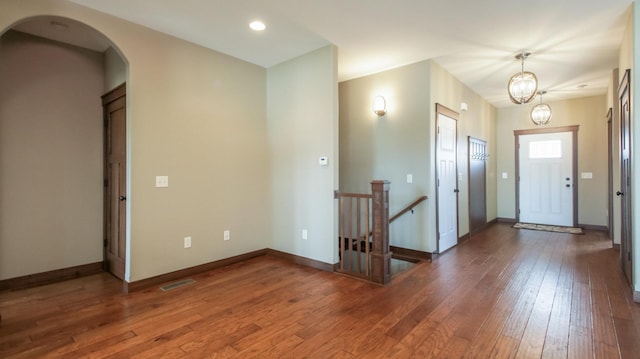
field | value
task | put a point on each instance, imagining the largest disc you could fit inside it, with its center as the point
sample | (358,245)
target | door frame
(536,131)
(109,97)
(626,190)
(443,110)
(472,157)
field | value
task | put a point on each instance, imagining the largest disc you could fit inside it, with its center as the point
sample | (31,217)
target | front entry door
(625,177)
(447,187)
(115,117)
(546,182)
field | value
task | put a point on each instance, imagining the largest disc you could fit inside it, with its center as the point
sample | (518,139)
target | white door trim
(446,181)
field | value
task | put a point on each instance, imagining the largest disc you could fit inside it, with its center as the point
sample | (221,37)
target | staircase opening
(363,241)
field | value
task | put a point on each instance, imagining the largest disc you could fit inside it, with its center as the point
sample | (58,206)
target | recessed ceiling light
(257,25)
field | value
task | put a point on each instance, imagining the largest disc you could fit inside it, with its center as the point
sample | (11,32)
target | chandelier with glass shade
(541,113)
(522,86)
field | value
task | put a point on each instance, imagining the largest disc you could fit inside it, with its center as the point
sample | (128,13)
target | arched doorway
(54,72)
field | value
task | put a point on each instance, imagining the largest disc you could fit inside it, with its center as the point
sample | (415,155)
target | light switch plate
(504,175)
(586,175)
(323,161)
(162,181)
(409,178)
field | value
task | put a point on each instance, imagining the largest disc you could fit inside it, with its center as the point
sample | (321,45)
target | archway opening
(54,71)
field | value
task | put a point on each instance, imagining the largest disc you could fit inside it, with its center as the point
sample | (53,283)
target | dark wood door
(115,197)
(477,150)
(625,175)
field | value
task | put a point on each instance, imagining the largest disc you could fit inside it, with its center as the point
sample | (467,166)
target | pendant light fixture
(541,113)
(522,86)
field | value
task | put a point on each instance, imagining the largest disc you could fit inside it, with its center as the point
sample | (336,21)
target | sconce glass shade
(523,87)
(379,106)
(541,114)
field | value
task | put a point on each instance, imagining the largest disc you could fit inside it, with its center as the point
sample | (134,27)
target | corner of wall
(302,123)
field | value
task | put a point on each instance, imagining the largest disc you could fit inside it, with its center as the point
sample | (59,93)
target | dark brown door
(115,197)
(477,149)
(625,175)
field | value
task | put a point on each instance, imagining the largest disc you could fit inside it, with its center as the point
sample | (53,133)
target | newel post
(380,256)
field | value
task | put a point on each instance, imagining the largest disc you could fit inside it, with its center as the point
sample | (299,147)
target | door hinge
(106,182)
(105,242)
(629,255)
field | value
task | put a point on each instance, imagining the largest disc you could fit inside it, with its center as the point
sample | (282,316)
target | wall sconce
(379,106)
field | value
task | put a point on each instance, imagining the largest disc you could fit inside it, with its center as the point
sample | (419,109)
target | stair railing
(359,256)
(407,208)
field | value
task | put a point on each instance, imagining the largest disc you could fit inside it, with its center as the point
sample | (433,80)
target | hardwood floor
(504,293)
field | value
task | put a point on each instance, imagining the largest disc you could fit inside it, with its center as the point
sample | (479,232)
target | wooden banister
(364,216)
(407,208)
(363,232)
(380,254)
(338,194)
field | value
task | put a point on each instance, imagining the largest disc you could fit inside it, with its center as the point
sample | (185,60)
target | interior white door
(546,178)
(447,183)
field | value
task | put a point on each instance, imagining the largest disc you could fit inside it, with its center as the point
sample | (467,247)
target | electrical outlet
(187,242)
(162,181)
(227,235)
(304,234)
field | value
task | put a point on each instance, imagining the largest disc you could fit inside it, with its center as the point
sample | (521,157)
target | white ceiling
(573,42)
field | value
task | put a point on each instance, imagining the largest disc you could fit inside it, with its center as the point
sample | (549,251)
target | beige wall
(302,126)
(197,116)
(590,114)
(391,146)
(402,142)
(613,104)
(115,70)
(478,121)
(50,155)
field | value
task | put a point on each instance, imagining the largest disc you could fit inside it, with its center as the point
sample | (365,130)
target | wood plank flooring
(504,293)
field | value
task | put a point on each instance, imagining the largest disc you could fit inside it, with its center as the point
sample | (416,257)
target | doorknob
(456,190)
(122,198)
(619,193)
